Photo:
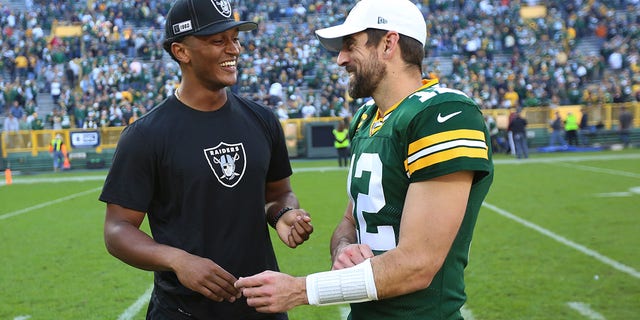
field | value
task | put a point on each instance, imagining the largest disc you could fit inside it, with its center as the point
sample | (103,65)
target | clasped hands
(272,292)
(206,277)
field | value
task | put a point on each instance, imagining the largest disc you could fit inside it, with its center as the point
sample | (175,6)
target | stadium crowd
(116,70)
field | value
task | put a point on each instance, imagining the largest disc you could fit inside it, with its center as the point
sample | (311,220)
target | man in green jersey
(420,168)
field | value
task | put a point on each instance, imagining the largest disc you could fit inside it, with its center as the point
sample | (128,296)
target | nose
(233,47)
(343,58)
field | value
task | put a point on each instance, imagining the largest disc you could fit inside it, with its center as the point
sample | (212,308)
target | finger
(365,251)
(205,291)
(303,227)
(250,282)
(223,287)
(298,234)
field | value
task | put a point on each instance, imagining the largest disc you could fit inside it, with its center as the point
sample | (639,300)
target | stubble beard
(362,84)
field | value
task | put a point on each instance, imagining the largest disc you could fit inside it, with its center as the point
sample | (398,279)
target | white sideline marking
(614,194)
(22,318)
(600,170)
(344,312)
(606,260)
(20,180)
(48,203)
(136,306)
(568,159)
(466,313)
(585,310)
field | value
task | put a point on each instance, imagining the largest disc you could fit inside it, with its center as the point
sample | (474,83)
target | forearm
(343,235)
(284,200)
(279,195)
(136,248)
(398,272)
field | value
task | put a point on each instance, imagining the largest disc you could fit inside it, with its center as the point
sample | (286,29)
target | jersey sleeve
(130,179)
(447,137)
(279,166)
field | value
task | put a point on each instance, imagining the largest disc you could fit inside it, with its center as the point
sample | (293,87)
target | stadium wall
(28,150)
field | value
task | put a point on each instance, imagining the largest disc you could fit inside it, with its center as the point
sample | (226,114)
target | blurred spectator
(557,131)
(492,48)
(625,123)
(571,127)
(11,126)
(518,128)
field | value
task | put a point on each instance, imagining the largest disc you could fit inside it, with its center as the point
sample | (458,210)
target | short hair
(412,49)
(166,45)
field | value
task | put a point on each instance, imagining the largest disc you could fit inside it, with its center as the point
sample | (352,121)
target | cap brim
(331,38)
(226,25)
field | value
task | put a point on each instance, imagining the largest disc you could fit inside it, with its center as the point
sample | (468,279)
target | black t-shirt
(200,177)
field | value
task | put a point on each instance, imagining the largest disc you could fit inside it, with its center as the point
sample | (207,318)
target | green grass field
(558,238)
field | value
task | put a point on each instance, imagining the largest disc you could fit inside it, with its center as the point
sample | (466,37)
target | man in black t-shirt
(209,169)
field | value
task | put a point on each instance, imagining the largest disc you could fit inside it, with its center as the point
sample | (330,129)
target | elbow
(424,277)
(422,272)
(109,243)
(112,238)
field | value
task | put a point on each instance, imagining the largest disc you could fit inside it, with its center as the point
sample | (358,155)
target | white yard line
(466,313)
(136,306)
(344,312)
(599,170)
(604,259)
(32,180)
(575,158)
(585,310)
(48,203)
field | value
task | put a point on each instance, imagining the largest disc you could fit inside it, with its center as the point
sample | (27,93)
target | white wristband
(350,285)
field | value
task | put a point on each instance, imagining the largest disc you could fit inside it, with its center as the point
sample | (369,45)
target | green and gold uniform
(433,132)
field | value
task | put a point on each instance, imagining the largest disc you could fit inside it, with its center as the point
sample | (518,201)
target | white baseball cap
(401,16)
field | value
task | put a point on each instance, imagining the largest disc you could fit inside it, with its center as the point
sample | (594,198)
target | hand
(206,277)
(294,227)
(272,292)
(351,255)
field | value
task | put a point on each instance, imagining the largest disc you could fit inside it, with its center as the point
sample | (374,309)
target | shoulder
(157,119)
(439,107)
(255,107)
(433,96)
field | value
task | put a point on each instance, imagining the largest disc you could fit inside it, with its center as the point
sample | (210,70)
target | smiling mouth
(229,64)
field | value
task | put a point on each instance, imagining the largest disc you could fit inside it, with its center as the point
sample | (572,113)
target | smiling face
(211,59)
(366,71)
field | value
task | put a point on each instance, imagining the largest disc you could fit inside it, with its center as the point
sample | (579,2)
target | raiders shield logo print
(223,7)
(228,162)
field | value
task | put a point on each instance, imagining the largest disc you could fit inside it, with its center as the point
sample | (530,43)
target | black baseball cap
(202,17)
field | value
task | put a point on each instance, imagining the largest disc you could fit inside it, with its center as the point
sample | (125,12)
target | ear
(181,52)
(390,42)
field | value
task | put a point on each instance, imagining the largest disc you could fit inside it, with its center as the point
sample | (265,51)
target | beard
(364,82)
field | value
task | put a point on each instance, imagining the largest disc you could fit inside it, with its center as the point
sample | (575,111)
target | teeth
(228,64)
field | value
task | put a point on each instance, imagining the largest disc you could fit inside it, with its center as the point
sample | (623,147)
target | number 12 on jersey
(371,203)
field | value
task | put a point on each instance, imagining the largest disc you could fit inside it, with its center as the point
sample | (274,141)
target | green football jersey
(432,132)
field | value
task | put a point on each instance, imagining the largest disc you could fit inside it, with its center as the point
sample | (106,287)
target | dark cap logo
(181,27)
(223,7)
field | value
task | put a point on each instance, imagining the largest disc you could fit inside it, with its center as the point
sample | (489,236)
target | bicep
(117,215)
(433,212)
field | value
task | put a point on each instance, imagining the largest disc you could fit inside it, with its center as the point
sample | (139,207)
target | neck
(201,99)
(395,87)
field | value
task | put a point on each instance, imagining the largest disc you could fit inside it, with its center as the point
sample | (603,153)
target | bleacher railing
(37,141)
